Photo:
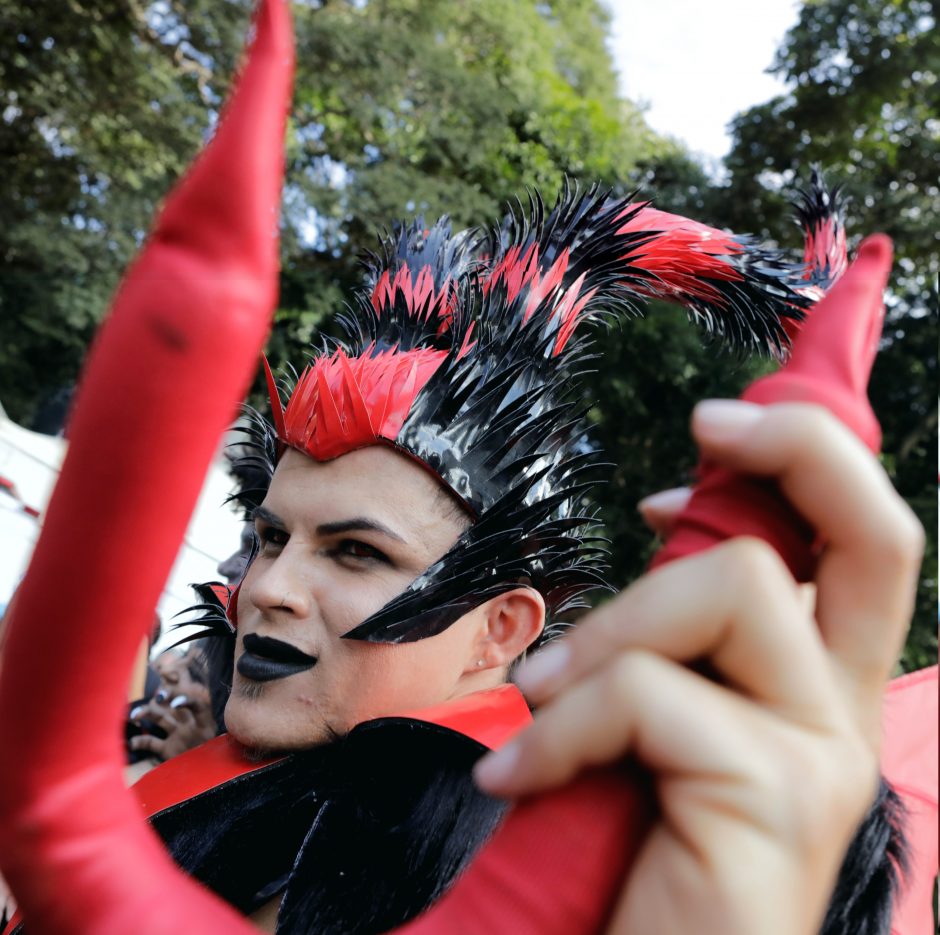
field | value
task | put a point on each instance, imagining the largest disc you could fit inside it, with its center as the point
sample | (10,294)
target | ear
(512,623)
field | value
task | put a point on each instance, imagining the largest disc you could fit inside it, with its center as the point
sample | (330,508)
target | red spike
(424,292)
(570,313)
(356,412)
(418,292)
(467,345)
(329,420)
(382,292)
(277,410)
(515,271)
(543,286)
(357,400)
(682,254)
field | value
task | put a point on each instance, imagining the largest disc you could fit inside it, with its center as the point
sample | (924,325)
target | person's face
(338,540)
(180,675)
(233,567)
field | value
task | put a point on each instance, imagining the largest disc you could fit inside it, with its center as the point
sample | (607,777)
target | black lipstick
(266,659)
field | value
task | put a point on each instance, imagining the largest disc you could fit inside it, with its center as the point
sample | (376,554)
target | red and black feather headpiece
(464,354)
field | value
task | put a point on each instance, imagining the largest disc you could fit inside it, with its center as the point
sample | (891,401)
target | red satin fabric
(490,717)
(554,867)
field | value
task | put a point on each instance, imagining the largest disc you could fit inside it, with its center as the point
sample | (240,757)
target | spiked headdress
(463,353)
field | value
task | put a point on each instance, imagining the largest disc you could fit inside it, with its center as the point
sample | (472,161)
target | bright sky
(696,63)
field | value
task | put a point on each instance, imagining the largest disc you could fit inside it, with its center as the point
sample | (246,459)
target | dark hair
(877,858)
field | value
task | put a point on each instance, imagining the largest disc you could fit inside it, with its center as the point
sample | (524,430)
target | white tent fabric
(29,466)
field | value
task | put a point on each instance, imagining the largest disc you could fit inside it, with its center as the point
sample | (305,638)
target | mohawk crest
(470,366)
(341,403)
(421,298)
(414,280)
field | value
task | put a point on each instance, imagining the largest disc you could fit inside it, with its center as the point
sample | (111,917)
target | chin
(257,719)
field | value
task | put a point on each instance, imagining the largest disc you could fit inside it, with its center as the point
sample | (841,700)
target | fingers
(150,744)
(641,704)
(167,719)
(7,903)
(186,722)
(868,570)
(735,605)
(660,510)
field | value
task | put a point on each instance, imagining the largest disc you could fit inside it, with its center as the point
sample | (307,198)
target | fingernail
(725,420)
(543,668)
(179,701)
(496,768)
(665,499)
(161,696)
(136,712)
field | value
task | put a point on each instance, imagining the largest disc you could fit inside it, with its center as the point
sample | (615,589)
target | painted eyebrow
(358,524)
(266,516)
(355,524)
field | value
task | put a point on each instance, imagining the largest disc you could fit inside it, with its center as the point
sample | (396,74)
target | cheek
(381,679)
(345,601)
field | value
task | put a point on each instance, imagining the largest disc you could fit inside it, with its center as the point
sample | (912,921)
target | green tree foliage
(861,100)
(101,105)
(408,107)
(401,107)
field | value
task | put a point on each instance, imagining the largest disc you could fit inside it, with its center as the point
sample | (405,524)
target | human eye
(356,551)
(270,538)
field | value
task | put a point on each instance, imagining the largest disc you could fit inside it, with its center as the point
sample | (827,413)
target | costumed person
(176,717)
(372,634)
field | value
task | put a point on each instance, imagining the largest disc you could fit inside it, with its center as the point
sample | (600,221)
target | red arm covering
(161,384)
(557,864)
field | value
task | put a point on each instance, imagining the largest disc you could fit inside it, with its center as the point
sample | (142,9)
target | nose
(279,584)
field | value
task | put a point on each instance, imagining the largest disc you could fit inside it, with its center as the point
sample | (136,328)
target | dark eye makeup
(271,537)
(358,551)
(349,551)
